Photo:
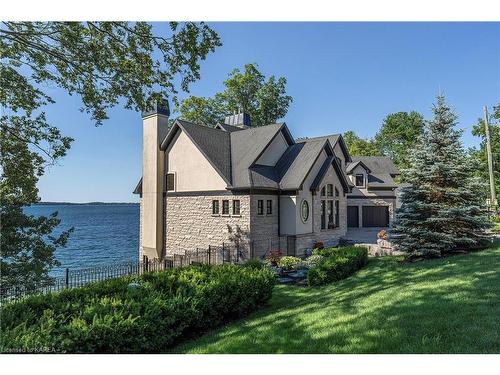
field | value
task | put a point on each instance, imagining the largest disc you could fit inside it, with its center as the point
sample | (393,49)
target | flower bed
(113,317)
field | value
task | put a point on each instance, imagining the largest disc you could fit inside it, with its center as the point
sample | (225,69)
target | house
(253,186)
(372,198)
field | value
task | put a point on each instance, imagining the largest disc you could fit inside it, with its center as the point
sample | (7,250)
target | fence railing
(225,253)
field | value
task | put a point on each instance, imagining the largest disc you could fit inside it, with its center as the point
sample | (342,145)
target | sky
(342,76)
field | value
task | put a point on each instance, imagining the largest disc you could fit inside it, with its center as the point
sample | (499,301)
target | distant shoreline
(83,204)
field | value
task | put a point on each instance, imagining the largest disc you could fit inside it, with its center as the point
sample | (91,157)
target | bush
(254,264)
(108,317)
(289,263)
(338,263)
(313,261)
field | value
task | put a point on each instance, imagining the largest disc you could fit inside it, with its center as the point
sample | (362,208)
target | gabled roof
(334,139)
(350,167)
(378,164)
(330,161)
(381,181)
(304,156)
(246,148)
(138,188)
(214,144)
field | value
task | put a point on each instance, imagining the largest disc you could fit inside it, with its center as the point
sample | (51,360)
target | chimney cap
(159,107)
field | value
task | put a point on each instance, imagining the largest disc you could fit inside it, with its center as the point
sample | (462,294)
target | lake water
(104,234)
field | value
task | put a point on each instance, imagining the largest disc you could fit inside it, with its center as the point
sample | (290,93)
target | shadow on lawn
(450,305)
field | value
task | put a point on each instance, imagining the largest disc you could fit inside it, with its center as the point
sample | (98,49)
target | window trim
(269,207)
(306,203)
(260,207)
(329,190)
(215,206)
(225,213)
(239,207)
(356,179)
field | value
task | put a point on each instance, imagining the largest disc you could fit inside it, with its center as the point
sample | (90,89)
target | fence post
(67,278)
(145,263)
(209,254)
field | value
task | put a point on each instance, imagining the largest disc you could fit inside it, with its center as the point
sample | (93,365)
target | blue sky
(342,76)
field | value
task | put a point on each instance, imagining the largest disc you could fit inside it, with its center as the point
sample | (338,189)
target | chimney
(241,120)
(154,130)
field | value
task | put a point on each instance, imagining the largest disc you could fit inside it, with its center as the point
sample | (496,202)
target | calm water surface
(104,234)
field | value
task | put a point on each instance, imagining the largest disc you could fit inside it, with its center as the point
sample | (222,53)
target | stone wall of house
(190,223)
(140,229)
(380,201)
(264,228)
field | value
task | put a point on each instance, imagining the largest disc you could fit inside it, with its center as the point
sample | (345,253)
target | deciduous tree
(104,63)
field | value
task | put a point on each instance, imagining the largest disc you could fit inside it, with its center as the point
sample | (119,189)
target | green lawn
(450,305)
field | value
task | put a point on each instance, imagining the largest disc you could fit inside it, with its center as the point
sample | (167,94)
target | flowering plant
(383,235)
(274,256)
(289,263)
(318,245)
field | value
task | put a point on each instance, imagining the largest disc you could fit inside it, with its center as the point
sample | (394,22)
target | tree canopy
(398,135)
(359,146)
(265,100)
(104,63)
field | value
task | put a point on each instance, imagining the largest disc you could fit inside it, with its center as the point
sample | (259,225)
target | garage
(352,216)
(375,216)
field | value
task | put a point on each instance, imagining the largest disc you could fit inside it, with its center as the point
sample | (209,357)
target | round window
(304,210)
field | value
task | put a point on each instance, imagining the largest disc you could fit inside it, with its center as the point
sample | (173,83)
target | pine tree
(442,209)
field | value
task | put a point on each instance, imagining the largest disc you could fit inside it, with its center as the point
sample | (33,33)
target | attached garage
(375,216)
(352,216)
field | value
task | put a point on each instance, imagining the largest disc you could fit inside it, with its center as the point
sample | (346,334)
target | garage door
(352,216)
(375,216)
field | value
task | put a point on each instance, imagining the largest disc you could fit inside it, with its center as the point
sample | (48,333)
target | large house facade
(254,186)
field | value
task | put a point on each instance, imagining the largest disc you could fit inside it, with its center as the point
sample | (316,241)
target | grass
(450,305)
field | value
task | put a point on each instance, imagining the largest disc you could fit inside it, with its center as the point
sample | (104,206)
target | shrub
(254,263)
(338,263)
(108,317)
(289,263)
(313,261)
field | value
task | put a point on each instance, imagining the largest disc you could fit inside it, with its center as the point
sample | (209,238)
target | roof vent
(241,120)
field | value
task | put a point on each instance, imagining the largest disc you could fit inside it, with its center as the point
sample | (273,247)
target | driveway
(363,235)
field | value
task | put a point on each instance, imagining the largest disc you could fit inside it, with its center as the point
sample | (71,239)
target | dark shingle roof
(378,164)
(301,163)
(246,146)
(215,144)
(381,180)
(334,139)
(229,128)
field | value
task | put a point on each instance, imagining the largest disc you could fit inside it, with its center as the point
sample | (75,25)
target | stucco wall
(192,170)
(274,151)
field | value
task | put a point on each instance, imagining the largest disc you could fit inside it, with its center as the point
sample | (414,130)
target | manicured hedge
(111,317)
(338,263)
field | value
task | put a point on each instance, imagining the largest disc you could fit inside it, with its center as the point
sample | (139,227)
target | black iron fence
(225,253)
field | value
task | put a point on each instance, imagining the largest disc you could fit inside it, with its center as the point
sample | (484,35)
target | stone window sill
(215,215)
(236,215)
(226,215)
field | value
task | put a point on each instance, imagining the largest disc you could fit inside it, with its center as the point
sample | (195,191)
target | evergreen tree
(442,209)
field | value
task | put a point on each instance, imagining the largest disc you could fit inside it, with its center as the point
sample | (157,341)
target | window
(225,207)
(260,207)
(269,207)
(329,190)
(323,210)
(330,215)
(337,214)
(323,191)
(215,207)
(336,192)
(304,211)
(360,180)
(236,207)
(170,181)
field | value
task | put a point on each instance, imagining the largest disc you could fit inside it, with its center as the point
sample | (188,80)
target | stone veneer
(190,223)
